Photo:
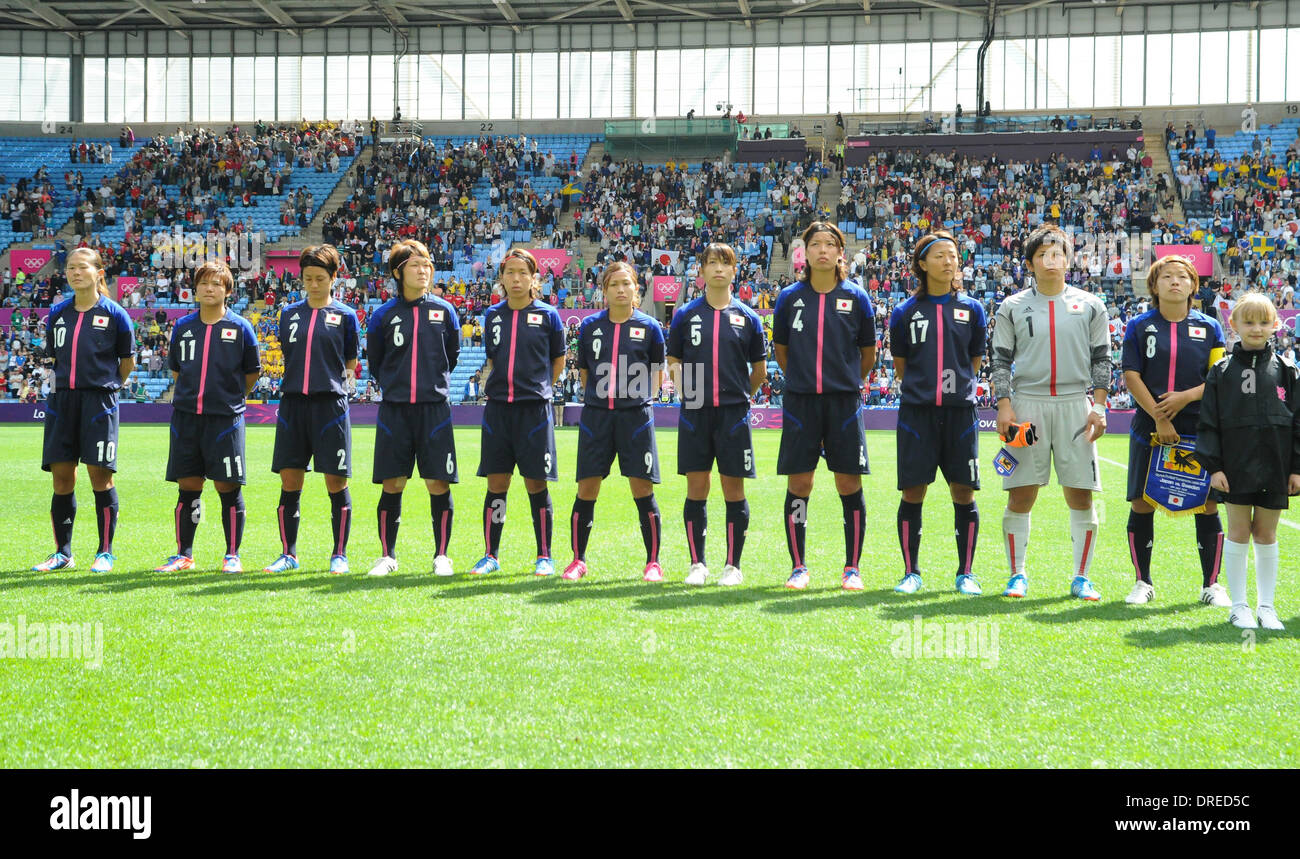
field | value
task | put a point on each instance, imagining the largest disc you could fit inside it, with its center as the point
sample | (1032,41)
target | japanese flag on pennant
(229,333)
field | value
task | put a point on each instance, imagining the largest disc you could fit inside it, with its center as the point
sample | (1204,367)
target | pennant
(1176,482)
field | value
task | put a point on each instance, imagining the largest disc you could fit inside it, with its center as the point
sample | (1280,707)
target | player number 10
(107,450)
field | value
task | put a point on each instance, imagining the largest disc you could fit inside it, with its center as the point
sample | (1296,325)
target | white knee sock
(1234,567)
(1265,572)
(1083,534)
(1015,539)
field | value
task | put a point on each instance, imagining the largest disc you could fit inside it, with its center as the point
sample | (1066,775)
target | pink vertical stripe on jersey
(1173,354)
(821,318)
(203,368)
(938,337)
(613,367)
(717,324)
(510,366)
(415,341)
(1051,340)
(306,368)
(76,334)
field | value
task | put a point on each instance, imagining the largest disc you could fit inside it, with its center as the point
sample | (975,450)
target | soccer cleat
(232,564)
(442,566)
(910,584)
(103,563)
(653,572)
(799,579)
(282,564)
(576,570)
(1268,617)
(731,576)
(1216,595)
(1141,594)
(1016,586)
(486,564)
(383,566)
(1082,588)
(967,584)
(56,561)
(850,580)
(698,574)
(1241,618)
(339,565)
(175,564)
(544,567)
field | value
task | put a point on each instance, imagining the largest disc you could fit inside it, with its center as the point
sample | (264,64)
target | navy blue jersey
(412,348)
(1170,356)
(522,345)
(824,333)
(938,339)
(317,345)
(716,348)
(622,360)
(87,347)
(211,362)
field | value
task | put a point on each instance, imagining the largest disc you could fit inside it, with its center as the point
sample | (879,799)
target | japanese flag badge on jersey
(960,314)
(99,321)
(436,315)
(333,318)
(229,333)
(843,305)
(1074,306)
(535,318)
(737,319)
(1196,332)
(636,332)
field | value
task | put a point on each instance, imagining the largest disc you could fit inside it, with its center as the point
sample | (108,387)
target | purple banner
(760,417)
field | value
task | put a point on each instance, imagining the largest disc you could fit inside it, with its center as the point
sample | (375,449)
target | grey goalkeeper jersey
(1060,345)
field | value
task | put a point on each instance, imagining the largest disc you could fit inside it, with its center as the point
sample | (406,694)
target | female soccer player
(717,355)
(620,359)
(938,340)
(1167,352)
(825,335)
(1057,338)
(525,352)
(319,336)
(215,362)
(89,339)
(412,344)
(1248,438)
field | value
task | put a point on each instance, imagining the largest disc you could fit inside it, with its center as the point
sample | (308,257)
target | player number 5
(695,335)
(749,459)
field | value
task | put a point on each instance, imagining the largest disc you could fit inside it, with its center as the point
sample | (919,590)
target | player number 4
(797,324)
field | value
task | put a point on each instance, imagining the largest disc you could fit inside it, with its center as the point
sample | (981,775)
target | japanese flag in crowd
(664,257)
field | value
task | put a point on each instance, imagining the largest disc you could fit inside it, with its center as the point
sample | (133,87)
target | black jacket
(1250,421)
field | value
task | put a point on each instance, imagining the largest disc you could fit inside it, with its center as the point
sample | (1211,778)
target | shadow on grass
(117,581)
(1116,611)
(803,603)
(906,608)
(474,586)
(679,596)
(1221,633)
(565,592)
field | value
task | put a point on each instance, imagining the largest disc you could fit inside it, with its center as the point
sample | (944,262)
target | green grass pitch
(205,670)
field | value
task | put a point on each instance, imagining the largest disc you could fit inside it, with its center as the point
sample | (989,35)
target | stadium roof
(301,15)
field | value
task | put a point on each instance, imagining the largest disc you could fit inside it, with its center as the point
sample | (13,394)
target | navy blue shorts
(210,446)
(1139,460)
(518,435)
(81,425)
(628,432)
(938,438)
(716,432)
(1263,498)
(822,425)
(316,427)
(411,433)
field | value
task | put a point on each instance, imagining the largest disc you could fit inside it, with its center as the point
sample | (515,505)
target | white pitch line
(1286,522)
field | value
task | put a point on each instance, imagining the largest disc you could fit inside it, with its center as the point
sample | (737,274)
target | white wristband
(1099,409)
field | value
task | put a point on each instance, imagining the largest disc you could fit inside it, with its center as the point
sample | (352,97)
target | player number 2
(343,459)
(293,332)
(239,466)
(107,450)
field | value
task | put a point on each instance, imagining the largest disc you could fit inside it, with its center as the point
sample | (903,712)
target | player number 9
(649,462)
(595,347)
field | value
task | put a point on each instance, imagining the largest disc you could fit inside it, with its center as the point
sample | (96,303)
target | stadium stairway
(313,233)
(1160,164)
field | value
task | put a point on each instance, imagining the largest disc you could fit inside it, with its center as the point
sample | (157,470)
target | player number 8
(1151,347)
